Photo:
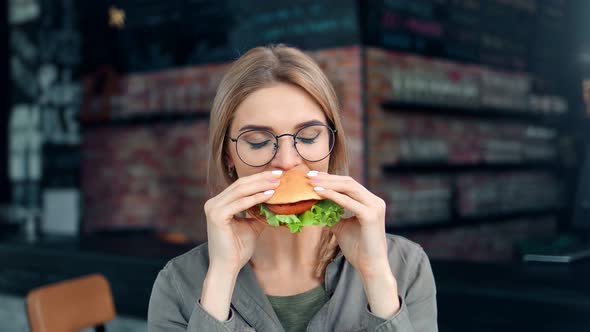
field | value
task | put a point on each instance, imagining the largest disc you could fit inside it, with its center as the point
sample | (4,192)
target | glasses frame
(276,143)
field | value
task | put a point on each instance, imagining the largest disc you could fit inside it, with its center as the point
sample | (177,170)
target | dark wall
(4,102)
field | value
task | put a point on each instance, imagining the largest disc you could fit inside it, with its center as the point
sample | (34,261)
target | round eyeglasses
(257,147)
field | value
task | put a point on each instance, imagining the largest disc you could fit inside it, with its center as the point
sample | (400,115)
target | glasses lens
(314,143)
(256,147)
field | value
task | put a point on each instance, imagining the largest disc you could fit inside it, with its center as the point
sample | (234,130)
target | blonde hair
(263,67)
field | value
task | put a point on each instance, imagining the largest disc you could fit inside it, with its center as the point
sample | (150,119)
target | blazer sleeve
(168,312)
(418,311)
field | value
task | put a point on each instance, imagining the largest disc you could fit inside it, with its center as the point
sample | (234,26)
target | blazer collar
(252,304)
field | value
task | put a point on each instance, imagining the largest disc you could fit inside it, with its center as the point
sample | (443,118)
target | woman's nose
(287,156)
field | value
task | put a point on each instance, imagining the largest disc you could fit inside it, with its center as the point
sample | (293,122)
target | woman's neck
(285,263)
(280,251)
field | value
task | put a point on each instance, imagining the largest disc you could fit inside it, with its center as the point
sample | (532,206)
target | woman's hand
(362,238)
(232,240)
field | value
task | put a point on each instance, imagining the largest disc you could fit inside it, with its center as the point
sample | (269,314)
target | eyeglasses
(257,148)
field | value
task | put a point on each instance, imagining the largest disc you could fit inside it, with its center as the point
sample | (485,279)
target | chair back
(71,305)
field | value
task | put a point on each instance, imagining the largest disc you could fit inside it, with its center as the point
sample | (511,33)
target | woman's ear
(231,167)
(228,161)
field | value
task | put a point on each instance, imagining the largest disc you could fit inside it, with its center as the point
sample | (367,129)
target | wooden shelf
(473,221)
(147,119)
(446,168)
(490,114)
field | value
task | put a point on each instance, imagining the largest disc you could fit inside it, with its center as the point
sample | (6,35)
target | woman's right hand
(232,240)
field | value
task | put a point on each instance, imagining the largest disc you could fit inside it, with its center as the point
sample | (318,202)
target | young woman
(251,276)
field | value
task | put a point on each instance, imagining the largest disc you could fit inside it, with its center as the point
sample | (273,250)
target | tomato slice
(292,208)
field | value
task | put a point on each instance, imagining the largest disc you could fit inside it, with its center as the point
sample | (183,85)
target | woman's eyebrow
(298,126)
(309,123)
(255,127)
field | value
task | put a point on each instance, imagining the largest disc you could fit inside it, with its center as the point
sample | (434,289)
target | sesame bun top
(294,187)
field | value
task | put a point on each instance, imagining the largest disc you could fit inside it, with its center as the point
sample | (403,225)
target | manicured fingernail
(318,188)
(269,192)
(273,180)
(315,180)
(312,173)
(277,172)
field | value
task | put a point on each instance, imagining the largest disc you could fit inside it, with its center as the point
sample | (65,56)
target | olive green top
(295,311)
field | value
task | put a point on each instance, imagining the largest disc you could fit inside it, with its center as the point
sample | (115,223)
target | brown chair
(71,305)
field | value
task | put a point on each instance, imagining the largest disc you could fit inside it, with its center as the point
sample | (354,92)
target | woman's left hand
(362,237)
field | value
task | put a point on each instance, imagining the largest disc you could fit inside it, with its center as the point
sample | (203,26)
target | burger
(296,204)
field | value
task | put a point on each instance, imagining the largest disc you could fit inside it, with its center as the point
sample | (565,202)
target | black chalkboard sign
(163,34)
(307,24)
(412,26)
(523,35)
(513,35)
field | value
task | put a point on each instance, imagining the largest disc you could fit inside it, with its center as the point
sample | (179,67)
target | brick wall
(151,176)
(343,68)
(415,198)
(135,177)
(155,175)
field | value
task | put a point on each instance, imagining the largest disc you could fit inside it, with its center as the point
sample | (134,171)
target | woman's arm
(218,288)
(417,311)
(170,311)
(230,244)
(363,242)
(381,291)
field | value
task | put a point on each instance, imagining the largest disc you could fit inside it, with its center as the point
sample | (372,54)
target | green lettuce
(324,213)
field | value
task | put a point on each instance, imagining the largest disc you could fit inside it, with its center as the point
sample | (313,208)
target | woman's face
(280,109)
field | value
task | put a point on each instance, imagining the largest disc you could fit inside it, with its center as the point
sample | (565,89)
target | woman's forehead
(280,107)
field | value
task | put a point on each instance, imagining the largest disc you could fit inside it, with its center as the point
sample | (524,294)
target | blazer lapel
(251,303)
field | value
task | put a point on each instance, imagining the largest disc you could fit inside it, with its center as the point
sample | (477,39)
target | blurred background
(471,118)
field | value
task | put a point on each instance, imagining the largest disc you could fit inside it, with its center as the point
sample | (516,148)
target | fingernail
(269,192)
(273,180)
(277,172)
(312,173)
(315,180)
(318,188)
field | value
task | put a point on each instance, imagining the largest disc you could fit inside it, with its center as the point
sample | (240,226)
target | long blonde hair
(263,67)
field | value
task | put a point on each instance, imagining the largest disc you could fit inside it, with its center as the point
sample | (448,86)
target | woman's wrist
(218,288)
(375,269)
(381,291)
(223,268)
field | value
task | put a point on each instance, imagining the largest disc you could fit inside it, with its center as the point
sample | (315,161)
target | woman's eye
(309,138)
(306,140)
(258,145)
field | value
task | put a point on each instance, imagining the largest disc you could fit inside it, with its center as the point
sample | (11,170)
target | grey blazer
(174,303)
